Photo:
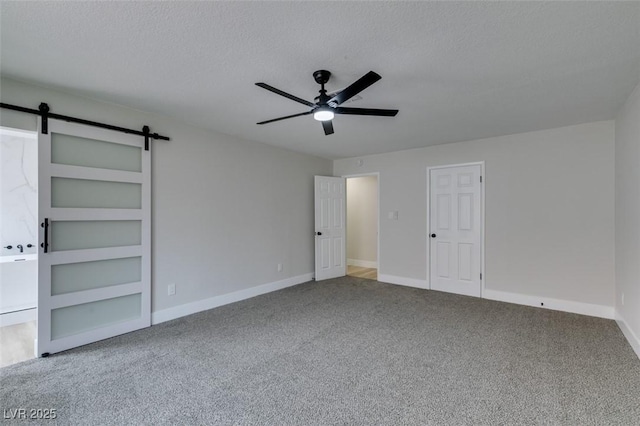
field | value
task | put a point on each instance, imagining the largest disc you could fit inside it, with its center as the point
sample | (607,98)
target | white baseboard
(409,282)
(362,263)
(633,339)
(19,317)
(213,302)
(601,311)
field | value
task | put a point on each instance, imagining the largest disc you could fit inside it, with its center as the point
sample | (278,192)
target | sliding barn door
(94,269)
(330,215)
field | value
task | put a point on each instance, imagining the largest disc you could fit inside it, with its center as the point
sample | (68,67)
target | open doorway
(362,226)
(19,238)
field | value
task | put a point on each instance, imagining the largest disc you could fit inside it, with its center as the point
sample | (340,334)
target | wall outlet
(171,289)
(279,267)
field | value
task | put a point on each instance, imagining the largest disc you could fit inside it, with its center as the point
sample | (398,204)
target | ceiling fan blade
(365,81)
(328,127)
(366,111)
(284,118)
(285,94)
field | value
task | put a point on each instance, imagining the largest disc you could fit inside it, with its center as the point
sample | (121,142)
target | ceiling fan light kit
(323,114)
(327,106)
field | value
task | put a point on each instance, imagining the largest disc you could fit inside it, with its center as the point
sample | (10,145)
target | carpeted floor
(344,351)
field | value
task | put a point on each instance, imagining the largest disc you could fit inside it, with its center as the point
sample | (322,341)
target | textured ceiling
(455,70)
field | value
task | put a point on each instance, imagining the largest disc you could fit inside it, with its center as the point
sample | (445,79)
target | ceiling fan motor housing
(321,76)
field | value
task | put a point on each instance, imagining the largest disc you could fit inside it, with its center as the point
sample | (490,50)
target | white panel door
(330,209)
(94,262)
(455,227)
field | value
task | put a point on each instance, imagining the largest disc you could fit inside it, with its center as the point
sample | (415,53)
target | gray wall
(549,210)
(628,213)
(226,211)
(362,218)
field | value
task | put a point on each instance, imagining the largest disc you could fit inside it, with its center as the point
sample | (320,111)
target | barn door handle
(433,235)
(45,244)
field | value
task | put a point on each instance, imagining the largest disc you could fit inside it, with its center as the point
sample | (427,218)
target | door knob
(318,233)
(433,235)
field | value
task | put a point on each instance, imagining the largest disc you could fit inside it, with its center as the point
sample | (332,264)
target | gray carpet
(345,351)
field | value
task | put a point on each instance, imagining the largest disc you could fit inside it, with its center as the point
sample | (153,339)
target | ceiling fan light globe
(323,115)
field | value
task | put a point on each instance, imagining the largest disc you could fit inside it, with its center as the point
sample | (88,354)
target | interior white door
(330,209)
(94,269)
(455,226)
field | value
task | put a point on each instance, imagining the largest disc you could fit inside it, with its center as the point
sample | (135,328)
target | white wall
(549,211)
(18,192)
(18,289)
(628,218)
(226,211)
(362,221)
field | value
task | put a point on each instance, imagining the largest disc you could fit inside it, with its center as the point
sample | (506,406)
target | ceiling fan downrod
(322,77)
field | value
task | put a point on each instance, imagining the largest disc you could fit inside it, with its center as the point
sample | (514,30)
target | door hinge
(480,179)
(481,275)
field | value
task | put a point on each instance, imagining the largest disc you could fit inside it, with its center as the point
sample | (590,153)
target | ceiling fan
(327,106)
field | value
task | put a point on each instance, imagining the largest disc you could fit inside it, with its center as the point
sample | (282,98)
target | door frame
(482,220)
(377,175)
